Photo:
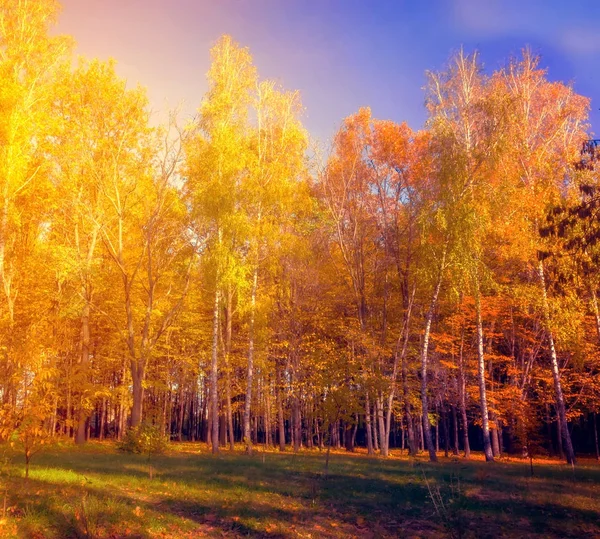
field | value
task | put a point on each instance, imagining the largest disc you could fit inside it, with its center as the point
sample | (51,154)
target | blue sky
(341,54)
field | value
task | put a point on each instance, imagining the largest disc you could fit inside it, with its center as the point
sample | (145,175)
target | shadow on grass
(236,495)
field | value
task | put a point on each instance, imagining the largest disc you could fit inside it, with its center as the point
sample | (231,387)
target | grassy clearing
(97,492)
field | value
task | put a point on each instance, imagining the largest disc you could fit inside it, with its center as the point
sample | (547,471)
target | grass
(97,492)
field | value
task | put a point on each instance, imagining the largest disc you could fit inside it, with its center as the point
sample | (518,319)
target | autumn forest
(224,278)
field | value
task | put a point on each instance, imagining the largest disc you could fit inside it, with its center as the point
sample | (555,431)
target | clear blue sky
(341,54)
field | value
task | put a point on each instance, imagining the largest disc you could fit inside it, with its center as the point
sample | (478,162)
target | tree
(547,130)
(277,163)
(217,164)
(29,59)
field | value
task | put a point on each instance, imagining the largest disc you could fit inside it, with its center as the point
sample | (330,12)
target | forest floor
(96,491)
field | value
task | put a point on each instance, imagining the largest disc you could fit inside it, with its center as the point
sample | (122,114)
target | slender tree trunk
(596,312)
(383,434)
(296,423)
(437,430)
(227,351)
(462,389)
(137,378)
(368,425)
(354,430)
(374,428)
(597,318)
(485,422)
(410,429)
(455,430)
(54,417)
(560,401)
(68,415)
(348,436)
(559,438)
(180,415)
(319,434)
(102,418)
(222,428)
(402,437)
(250,373)
(163,423)
(494,432)
(214,373)
(268,432)
(83,365)
(400,358)
(446,423)
(424,360)
(279,398)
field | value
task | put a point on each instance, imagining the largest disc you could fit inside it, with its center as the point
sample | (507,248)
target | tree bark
(214,372)
(296,423)
(462,390)
(424,360)
(83,365)
(596,312)
(279,398)
(495,434)
(383,433)
(455,431)
(410,429)
(228,336)
(560,401)
(368,425)
(250,371)
(485,422)
(137,378)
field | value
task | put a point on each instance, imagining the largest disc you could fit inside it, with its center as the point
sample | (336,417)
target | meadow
(96,491)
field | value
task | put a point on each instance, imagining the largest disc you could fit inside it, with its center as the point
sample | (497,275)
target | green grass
(97,491)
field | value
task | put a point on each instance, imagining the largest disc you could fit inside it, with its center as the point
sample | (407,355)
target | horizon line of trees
(225,281)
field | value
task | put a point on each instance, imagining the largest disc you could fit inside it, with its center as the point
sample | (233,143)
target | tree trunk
(560,401)
(268,432)
(446,423)
(137,378)
(296,423)
(399,358)
(437,430)
(214,373)
(250,372)
(103,411)
(596,312)
(410,429)
(180,415)
(462,389)
(485,422)
(455,430)
(279,398)
(494,432)
(368,425)
(83,366)
(374,429)
(348,436)
(227,351)
(54,417)
(69,411)
(383,433)
(424,359)
(559,438)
